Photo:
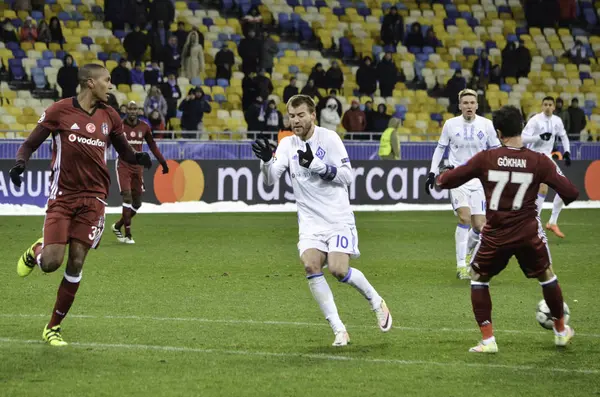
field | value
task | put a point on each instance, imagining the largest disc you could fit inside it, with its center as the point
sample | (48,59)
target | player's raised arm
(47,122)
(553,177)
(340,173)
(156,151)
(455,177)
(271,168)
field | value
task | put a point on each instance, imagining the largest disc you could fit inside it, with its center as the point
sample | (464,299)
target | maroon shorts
(129,178)
(532,253)
(79,218)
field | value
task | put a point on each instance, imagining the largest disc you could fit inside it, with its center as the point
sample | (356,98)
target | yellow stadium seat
(175,123)
(124,88)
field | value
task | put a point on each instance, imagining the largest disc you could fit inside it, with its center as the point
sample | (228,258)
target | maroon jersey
(80,141)
(511,179)
(136,135)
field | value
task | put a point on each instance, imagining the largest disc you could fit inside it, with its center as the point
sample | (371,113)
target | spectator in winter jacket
(317,75)
(265,86)
(366,77)
(273,118)
(523,60)
(370,116)
(136,13)
(192,57)
(224,60)
(415,37)
(578,120)
(482,67)
(193,108)
(135,43)
(249,90)
(121,74)
(380,119)
(392,28)
(155,102)
(172,93)
(509,60)
(290,90)
(334,76)
(455,85)
(152,74)
(56,31)
(162,10)
(330,117)
(171,57)
(387,74)
(29,31)
(563,113)
(322,103)
(255,115)
(250,50)
(182,35)
(354,119)
(67,77)
(137,75)
(268,51)
(311,90)
(7,32)
(431,39)
(44,34)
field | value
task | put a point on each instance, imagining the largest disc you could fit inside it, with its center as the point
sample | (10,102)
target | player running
(466,135)
(511,177)
(129,176)
(321,173)
(81,127)
(539,135)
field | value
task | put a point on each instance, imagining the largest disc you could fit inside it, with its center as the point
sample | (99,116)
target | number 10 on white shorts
(343,239)
(473,199)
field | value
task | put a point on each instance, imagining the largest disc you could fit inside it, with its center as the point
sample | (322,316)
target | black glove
(305,158)
(15,174)
(429,183)
(262,149)
(567,157)
(165,168)
(546,136)
(143,158)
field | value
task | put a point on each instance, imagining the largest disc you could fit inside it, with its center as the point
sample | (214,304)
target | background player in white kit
(539,135)
(466,135)
(321,173)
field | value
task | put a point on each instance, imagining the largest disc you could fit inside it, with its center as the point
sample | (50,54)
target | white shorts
(341,239)
(464,197)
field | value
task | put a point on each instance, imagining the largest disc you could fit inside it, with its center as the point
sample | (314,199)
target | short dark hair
(88,71)
(299,100)
(508,120)
(548,98)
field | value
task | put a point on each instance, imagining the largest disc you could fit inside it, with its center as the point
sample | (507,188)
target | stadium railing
(190,149)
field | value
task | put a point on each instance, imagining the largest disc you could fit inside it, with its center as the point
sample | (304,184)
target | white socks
(357,279)
(473,239)
(540,202)
(461,237)
(557,206)
(324,297)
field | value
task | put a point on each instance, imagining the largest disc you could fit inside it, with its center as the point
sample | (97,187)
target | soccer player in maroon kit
(81,128)
(130,176)
(511,176)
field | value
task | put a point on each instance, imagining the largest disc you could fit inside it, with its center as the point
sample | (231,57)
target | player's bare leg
(552,224)
(554,299)
(313,261)
(48,258)
(482,308)
(66,293)
(461,239)
(339,266)
(125,219)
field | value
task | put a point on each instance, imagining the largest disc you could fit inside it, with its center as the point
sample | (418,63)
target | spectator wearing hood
(454,86)
(380,119)
(121,74)
(192,57)
(389,143)
(152,74)
(510,66)
(354,119)
(523,60)
(273,118)
(317,75)
(366,77)
(387,74)
(415,37)
(224,60)
(323,102)
(392,28)
(67,77)
(330,117)
(193,108)
(334,76)
(56,32)
(137,75)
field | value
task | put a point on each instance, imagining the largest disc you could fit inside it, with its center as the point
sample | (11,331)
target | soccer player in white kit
(321,173)
(466,135)
(539,135)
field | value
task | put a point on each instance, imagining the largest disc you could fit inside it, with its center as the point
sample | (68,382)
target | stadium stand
(439,39)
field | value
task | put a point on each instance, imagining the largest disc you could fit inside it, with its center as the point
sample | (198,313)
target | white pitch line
(274,322)
(325,357)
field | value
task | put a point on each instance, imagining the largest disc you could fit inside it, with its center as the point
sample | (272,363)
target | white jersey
(322,191)
(466,139)
(540,124)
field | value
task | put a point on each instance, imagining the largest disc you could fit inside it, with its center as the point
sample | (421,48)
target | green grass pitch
(217,305)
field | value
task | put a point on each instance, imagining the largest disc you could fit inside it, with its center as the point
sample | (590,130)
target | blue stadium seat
(43,63)
(506,88)
(37,15)
(18,72)
(210,82)
(64,16)
(436,117)
(103,56)
(48,54)
(19,53)
(226,5)
(222,83)
(196,81)
(12,46)
(220,98)
(293,69)
(208,22)
(87,40)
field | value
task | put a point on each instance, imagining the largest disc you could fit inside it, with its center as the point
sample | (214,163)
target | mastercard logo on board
(184,182)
